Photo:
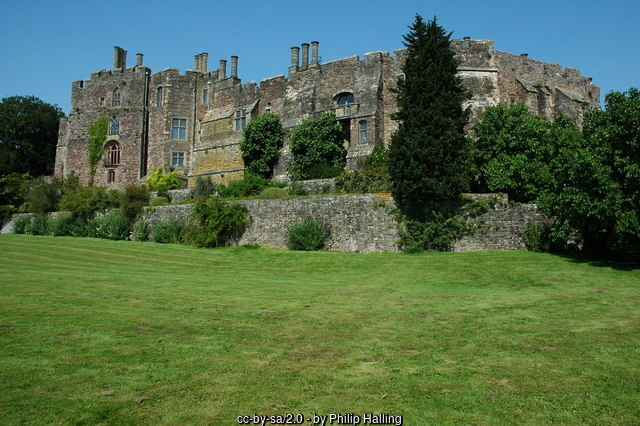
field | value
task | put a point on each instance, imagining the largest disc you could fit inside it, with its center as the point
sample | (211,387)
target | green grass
(96,331)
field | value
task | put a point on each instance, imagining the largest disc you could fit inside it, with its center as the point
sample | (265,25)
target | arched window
(116,99)
(205,96)
(113,153)
(114,126)
(344,99)
(363,131)
(159,96)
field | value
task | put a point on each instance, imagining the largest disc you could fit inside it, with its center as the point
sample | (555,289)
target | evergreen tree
(428,159)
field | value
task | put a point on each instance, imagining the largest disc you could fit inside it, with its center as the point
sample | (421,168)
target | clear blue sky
(45,45)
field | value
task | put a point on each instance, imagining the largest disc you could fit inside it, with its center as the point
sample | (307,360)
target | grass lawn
(96,331)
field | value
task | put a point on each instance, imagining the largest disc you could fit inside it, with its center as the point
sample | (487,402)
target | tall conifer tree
(428,152)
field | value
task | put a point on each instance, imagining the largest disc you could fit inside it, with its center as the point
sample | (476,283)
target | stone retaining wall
(360,223)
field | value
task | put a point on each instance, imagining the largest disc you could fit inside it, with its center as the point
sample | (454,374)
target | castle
(194,121)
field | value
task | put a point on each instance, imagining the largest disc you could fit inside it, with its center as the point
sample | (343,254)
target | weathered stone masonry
(362,223)
(194,121)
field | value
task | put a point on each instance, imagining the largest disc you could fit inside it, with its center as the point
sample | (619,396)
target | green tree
(28,135)
(261,145)
(428,158)
(316,144)
(598,191)
(513,151)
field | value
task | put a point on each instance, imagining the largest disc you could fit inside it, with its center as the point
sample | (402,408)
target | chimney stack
(139,59)
(222,73)
(204,59)
(295,57)
(314,53)
(119,58)
(234,67)
(305,56)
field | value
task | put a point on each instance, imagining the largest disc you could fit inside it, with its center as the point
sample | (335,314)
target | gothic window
(113,154)
(159,96)
(205,96)
(114,126)
(179,129)
(241,120)
(363,131)
(177,159)
(344,99)
(111,176)
(116,99)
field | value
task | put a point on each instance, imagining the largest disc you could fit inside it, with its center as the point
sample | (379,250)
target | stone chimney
(222,73)
(234,67)
(305,56)
(139,57)
(119,58)
(204,59)
(314,54)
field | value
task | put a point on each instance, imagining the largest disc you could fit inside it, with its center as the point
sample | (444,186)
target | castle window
(116,99)
(344,99)
(177,159)
(111,176)
(102,102)
(114,126)
(113,154)
(363,131)
(241,120)
(159,96)
(179,129)
(205,96)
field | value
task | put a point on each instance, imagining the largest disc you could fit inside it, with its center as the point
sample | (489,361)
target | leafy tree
(513,151)
(261,145)
(598,191)
(428,158)
(317,144)
(28,135)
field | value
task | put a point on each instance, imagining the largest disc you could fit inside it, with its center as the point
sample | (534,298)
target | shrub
(364,181)
(39,225)
(141,231)
(216,223)
(248,186)
(133,201)
(323,170)
(308,235)
(113,198)
(379,157)
(261,145)
(44,196)
(159,182)
(112,226)
(314,142)
(546,238)
(60,225)
(204,188)
(437,232)
(81,227)
(272,193)
(83,201)
(295,188)
(20,224)
(167,232)
(159,201)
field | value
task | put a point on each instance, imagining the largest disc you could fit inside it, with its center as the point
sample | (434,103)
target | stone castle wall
(363,223)
(215,106)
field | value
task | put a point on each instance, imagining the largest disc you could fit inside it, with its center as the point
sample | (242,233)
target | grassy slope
(90,328)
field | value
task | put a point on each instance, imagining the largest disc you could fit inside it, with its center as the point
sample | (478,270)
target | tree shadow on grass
(603,260)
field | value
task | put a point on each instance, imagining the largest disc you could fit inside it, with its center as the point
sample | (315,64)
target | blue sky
(45,45)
